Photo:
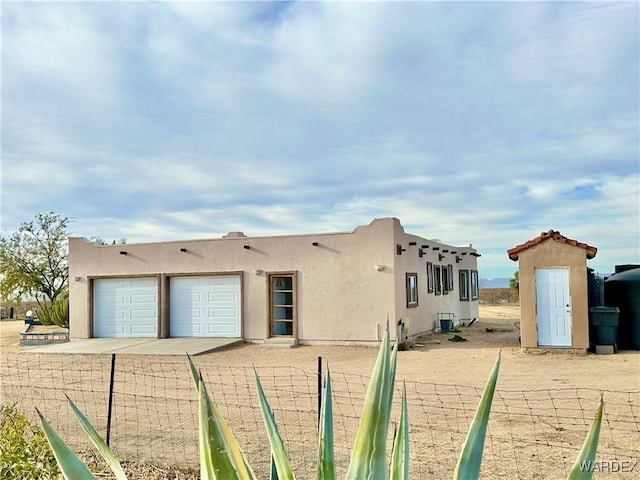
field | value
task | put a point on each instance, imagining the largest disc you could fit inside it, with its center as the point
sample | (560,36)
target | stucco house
(554,310)
(315,288)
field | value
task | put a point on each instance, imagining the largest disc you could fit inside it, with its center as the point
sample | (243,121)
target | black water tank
(625,267)
(622,290)
(595,284)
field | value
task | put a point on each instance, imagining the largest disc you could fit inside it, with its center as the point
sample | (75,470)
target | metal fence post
(110,407)
(319,389)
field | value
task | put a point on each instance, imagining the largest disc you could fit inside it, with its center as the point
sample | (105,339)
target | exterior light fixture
(257,271)
(77,278)
(379,268)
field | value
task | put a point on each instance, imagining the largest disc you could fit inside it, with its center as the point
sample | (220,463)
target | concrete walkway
(140,346)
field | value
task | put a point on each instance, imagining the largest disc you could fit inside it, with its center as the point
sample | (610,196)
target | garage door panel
(146,314)
(143,298)
(146,282)
(113,332)
(125,307)
(143,330)
(186,313)
(223,297)
(220,280)
(222,329)
(188,329)
(205,306)
(215,313)
(116,312)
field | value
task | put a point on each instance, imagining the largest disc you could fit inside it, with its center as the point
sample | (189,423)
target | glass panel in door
(281,305)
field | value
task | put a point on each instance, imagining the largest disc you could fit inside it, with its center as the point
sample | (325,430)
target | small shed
(554,310)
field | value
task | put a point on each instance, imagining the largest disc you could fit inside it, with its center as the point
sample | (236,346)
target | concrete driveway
(140,346)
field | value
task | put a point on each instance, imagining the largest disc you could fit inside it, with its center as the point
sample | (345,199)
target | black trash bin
(604,323)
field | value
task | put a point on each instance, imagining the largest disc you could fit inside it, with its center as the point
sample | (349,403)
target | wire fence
(499,296)
(533,434)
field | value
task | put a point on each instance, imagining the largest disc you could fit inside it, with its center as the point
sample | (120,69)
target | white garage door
(125,307)
(205,306)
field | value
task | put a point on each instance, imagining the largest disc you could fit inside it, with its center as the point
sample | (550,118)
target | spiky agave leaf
(283,466)
(70,465)
(221,457)
(399,469)
(368,457)
(471,456)
(98,441)
(583,468)
(273,471)
(326,460)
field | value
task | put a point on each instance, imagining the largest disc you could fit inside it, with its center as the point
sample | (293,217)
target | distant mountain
(501,282)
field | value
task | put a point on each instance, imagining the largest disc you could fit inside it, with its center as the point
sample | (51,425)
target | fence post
(110,407)
(319,389)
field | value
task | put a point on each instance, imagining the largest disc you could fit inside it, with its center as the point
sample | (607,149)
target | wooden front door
(282,305)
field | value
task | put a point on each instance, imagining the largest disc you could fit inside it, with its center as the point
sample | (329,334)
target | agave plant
(221,457)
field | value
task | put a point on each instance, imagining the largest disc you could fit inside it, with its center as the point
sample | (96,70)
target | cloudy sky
(483,123)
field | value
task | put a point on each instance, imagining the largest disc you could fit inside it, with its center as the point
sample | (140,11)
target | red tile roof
(550,235)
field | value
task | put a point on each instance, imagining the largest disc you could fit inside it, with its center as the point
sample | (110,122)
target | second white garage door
(204,306)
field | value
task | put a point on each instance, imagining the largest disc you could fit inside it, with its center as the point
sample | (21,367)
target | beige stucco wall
(553,254)
(424,317)
(340,296)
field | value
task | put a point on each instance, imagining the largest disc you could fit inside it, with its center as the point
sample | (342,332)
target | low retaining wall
(41,337)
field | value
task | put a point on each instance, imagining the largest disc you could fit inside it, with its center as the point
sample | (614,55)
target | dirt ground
(437,360)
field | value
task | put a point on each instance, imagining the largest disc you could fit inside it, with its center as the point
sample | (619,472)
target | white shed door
(205,306)
(125,307)
(553,307)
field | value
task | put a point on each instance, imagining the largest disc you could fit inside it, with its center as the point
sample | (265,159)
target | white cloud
(475,122)
(325,54)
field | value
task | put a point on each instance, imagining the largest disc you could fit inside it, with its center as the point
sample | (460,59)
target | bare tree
(100,241)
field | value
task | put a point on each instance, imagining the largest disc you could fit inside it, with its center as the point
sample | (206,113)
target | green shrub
(24,450)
